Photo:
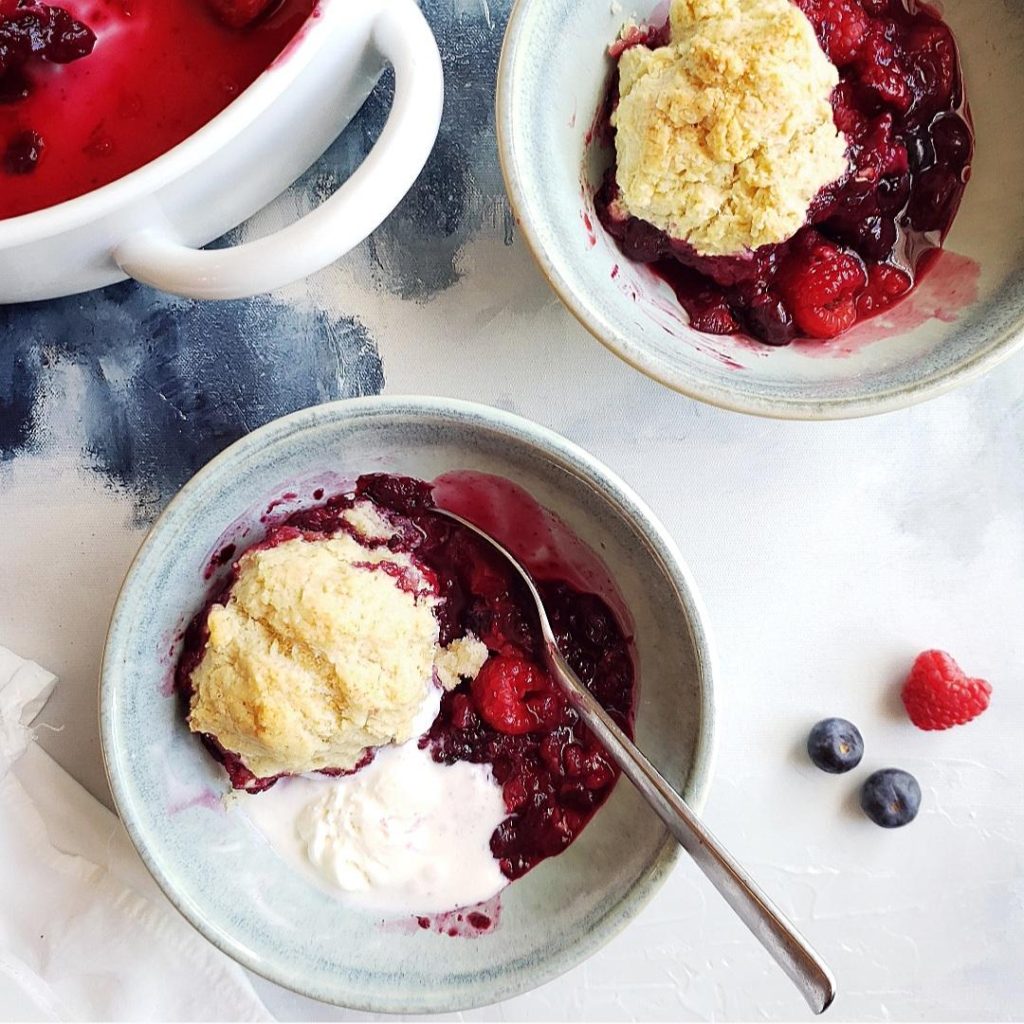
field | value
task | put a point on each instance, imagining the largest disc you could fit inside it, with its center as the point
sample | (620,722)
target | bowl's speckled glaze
(225,878)
(965,317)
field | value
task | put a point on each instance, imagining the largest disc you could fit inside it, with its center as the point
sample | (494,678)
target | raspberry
(845,112)
(716,319)
(23,152)
(400,493)
(239,13)
(30,30)
(886,284)
(877,152)
(840,26)
(931,52)
(639,35)
(881,71)
(938,694)
(508,693)
(462,713)
(934,194)
(951,138)
(820,284)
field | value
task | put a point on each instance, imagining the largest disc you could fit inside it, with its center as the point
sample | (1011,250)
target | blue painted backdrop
(166,383)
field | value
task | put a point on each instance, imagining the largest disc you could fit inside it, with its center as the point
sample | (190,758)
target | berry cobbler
(91,90)
(788,167)
(369,638)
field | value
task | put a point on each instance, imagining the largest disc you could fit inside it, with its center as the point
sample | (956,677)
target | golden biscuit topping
(725,135)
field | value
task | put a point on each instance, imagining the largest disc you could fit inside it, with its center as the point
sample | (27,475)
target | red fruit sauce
(159,71)
(553,772)
(869,237)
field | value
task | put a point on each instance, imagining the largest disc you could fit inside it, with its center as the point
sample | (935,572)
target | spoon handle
(778,936)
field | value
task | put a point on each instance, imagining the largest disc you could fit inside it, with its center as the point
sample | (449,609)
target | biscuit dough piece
(725,135)
(322,649)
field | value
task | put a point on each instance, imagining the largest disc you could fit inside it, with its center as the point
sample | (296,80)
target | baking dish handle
(374,189)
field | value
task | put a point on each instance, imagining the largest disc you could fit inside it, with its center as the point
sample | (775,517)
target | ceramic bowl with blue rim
(224,876)
(965,317)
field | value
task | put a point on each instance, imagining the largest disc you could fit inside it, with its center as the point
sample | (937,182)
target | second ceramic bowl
(227,880)
(965,317)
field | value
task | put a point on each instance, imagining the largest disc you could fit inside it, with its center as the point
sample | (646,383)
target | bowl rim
(244,110)
(577,462)
(1000,346)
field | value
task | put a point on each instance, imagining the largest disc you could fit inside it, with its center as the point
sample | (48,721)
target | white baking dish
(150,223)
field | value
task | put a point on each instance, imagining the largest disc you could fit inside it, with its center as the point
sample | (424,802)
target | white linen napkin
(85,933)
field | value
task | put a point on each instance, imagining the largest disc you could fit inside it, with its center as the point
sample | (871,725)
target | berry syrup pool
(159,71)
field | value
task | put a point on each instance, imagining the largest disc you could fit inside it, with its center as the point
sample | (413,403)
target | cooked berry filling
(81,104)
(553,773)
(900,104)
(34,32)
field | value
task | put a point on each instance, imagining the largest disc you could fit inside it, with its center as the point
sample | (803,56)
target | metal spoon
(778,936)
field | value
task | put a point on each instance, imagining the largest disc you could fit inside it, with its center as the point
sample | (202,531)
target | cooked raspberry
(845,110)
(881,71)
(639,35)
(239,13)
(15,86)
(598,770)
(840,26)
(23,152)
(462,714)
(877,152)
(936,188)
(399,493)
(931,53)
(820,284)
(938,694)
(487,578)
(515,792)
(716,319)
(886,284)
(503,692)
(952,141)
(572,760)
(43,31)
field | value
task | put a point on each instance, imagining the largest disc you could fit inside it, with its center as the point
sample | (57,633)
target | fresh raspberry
(840,26)
(939,695)
(820,284)
(239,13)
(509,692)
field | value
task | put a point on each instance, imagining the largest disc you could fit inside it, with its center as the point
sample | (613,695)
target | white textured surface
(828,555)
(86,933)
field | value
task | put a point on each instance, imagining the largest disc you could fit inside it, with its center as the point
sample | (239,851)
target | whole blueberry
(890,797)
(835,745)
